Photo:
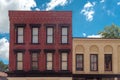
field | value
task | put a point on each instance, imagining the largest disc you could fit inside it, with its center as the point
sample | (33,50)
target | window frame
(16,32)
(50,61)
(63,61)
(35,26)
(65,35)
(105,62)
(94,61)
(82,62)
(36,51)
(32,61)
(32,35)
(49,26)
(16,52)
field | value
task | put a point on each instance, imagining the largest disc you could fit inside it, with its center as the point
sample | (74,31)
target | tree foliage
(112,31)
(3,67)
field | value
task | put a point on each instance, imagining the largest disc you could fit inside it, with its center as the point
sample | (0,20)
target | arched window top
(108,48)
(79,48)
(94,48)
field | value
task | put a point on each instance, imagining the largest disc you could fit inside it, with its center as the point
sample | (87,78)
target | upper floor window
(50,35)
(49,61)
(19,29)
(64,61)
(20,35)
(34,64)
(108,62)
(19,60)
(35,34)
(64,37)
(79,62)
(93,62)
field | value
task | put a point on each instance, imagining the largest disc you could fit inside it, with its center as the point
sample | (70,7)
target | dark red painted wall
(40,17)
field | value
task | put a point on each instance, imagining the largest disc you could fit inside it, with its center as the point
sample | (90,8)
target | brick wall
(40,17)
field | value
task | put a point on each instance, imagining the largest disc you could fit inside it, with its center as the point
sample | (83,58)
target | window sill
(64,43)
(20,43)
(34,43)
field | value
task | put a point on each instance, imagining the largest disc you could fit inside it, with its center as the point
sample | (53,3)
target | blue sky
(88,16)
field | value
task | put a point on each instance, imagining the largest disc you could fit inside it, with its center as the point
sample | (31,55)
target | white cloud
(84,34)
(88,10)
(6,5)
(54,3)
(102,1)
(4,48)
(37,9)
(94,36)
(118,3)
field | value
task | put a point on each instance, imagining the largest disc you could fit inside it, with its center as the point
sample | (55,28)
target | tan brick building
(96,59)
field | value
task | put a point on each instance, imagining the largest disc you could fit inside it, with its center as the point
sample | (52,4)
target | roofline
(40,11)
(95,38)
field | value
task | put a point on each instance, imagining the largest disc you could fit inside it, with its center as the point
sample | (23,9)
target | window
(34,59)
(64,35)
(64,61)
(93,62)
(35,34)
(20,35)
(108,62)
(19,61)
(49,61)
(49,34)
(79,62)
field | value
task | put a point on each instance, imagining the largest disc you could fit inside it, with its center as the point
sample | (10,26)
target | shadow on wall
(3,76)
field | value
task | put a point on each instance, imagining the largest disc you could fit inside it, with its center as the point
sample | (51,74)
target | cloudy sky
(89,16)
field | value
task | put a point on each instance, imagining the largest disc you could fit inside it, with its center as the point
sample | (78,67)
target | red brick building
(40,43)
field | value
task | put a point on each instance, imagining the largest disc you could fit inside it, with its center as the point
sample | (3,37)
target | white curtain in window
(64,31)
(19,56)
(35,31)
(19,65)
(49,31)
(64,56)
(49,56)
(64,39)
(49,65)
(64,65)
(20,30)
(49,39)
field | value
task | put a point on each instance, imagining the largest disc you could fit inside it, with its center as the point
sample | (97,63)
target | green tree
(3,67)
(112,31)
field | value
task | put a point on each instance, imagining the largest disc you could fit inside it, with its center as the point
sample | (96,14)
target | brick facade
(43,18)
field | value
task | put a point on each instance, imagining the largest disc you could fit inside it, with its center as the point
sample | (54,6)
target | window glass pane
(35,39)
(35,31)
(64,39)
(49,31)
(64,65)
(49,65)
(49,56)
(20,31)
(20,39)
(19,56)
(108,62)
(34,57)
(49,39)
(19,65)
(64,56)
(79,63)
(64,31)
(94,63)
(34,65)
